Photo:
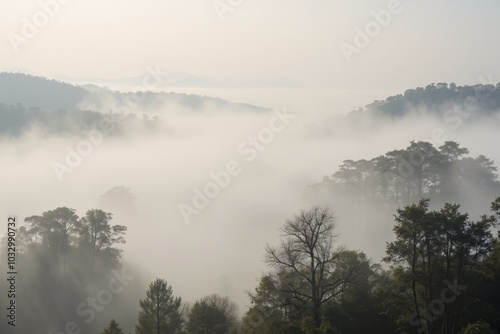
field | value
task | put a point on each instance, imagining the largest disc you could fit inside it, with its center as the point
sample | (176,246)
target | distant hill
(51,95)
(29,102)
(17,120)
(436,98)
(31,91)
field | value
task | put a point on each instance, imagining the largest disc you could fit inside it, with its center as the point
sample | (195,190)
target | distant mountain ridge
(29,102)
(27,99)
(480,99)
(52,95)
(31,91)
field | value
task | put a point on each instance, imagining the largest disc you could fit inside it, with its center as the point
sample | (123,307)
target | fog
(202,126)
(219,249)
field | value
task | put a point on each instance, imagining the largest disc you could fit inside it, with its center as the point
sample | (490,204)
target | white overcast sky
(429,41)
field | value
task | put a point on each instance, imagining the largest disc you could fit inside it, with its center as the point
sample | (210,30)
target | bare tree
(317,270)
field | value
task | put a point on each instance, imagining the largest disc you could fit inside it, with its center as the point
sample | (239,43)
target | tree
(307,264)
(361,300)
(264,319)
(428,163)
(160,310)
(398,174)
(98,236)
(432,250)
(452,150)
(348,176)
(206,319)
(449,174)
(489,283)
(113,328)
(226,306)
(118,199)
(383,172)
(58,272)
(54,230)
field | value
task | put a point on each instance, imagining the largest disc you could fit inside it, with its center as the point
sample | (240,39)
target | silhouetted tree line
(443,276)
(62,260)
(403,176)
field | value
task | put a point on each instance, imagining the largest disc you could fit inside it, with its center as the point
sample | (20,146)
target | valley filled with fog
(219,248)
(230,167)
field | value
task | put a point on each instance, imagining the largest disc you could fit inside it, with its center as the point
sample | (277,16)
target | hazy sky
(426,42)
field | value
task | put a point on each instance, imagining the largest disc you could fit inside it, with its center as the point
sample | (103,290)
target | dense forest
(482,99)
(403,176)
(367,192)
(443,276)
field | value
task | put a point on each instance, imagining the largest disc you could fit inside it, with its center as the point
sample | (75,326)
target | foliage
(436,97)
(226,307)
(58,273)
(404,176)
(160,310)
(435,256)
(207,319)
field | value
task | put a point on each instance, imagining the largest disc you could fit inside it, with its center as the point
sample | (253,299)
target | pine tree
(160,310)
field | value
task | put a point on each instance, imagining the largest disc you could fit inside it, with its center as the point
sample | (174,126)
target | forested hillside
(482,99)
(30,102)
(445,174)
(18,120)
(442,277)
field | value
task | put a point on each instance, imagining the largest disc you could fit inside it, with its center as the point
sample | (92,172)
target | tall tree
(55,230)
(449,173)
(361,300)
(307,261)
(437,251)
(98,236)
(160,310)
(348,176)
